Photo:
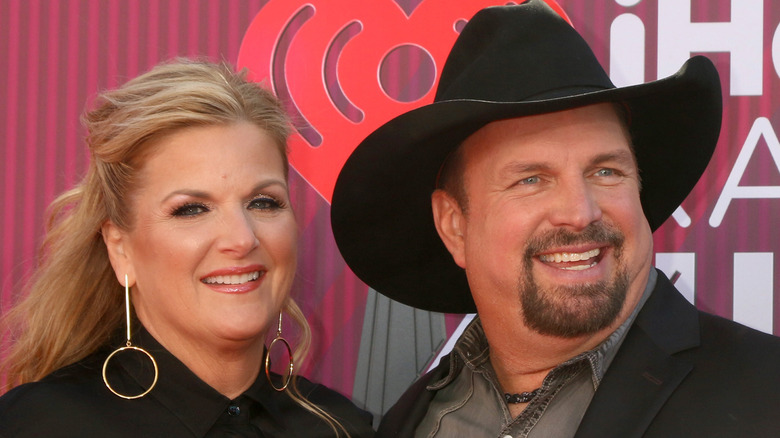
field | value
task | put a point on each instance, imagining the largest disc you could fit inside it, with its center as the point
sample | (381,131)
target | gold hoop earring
(279,338)
(129,346)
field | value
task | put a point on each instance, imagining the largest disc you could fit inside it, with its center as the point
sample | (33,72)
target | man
(546,183)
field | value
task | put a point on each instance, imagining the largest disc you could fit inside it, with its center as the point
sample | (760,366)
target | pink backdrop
(344,67)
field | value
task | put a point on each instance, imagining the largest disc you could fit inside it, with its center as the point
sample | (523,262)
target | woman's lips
(232,279)
(235,280)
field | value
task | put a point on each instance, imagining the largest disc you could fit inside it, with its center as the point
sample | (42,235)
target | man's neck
(522,357)
(522,365)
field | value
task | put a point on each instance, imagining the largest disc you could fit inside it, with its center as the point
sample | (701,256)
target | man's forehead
(619,156)
(597,127)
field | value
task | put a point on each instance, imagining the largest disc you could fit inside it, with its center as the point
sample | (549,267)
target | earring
(129,346)
(279,338)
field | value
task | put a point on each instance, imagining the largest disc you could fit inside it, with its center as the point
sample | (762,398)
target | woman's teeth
(559,257)
(232,279)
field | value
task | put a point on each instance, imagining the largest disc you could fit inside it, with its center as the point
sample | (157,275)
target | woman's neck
(230,367)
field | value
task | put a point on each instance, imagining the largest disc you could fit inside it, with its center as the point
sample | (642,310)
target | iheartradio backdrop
(343,67)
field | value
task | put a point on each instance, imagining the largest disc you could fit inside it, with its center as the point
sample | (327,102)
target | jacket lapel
(404,417)
(644,373)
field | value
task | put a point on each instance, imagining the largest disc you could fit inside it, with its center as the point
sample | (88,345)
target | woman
(184,212)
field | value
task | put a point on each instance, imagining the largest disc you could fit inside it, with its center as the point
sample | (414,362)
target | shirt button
(234,411)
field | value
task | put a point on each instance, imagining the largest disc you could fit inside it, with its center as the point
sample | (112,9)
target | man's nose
(576,205)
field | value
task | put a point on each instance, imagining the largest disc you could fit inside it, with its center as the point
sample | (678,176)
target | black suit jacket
(679,373)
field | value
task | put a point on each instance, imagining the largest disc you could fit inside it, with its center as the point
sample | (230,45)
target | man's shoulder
(717,328)
(677,325)
(409,410)
(731,342)
(731,382)
(733,387)
(709,342)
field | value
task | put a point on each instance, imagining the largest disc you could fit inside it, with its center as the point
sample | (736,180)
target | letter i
(627,48)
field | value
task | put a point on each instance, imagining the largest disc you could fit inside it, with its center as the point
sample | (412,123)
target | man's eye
(530,180)
(190,210)
(605,172)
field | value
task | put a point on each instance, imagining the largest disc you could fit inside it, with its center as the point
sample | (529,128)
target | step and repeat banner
(344,67)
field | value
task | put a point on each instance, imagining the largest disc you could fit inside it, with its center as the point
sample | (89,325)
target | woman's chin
(242,334)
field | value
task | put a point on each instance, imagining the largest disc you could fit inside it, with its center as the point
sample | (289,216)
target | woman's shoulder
(60,403)
(61,385)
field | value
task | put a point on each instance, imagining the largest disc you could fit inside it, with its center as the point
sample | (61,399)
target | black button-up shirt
(74,402)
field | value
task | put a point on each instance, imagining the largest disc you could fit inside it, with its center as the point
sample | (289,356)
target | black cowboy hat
(508,62)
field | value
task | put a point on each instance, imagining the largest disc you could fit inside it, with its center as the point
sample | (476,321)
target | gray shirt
(469,401)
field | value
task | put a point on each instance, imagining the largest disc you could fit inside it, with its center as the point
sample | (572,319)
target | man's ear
(450,223)
(116,244)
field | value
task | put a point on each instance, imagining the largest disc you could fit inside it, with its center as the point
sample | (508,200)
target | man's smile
(558,257)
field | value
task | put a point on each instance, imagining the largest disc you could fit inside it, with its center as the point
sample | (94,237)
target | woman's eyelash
(266,203)
(189,209)
(263,202)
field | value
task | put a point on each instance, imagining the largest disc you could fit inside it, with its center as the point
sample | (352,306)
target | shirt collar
(609,348)
(262,392)
(472,348)
(184,394)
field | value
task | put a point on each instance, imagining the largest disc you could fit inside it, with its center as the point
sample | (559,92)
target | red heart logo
(345,67)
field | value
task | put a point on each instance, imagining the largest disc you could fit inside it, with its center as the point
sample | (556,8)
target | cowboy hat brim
(508,62)
(381,211)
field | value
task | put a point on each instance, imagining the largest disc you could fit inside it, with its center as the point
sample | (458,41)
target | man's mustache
(597,232)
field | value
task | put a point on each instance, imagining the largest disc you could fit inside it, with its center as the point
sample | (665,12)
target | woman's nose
(238,234)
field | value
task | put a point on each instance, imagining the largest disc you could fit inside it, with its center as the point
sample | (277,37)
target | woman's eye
(264,203)
(190,210)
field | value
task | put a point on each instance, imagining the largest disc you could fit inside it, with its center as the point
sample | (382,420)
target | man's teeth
(232,279)
(559,257)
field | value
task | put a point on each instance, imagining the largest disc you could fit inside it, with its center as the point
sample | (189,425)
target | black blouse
(74,402)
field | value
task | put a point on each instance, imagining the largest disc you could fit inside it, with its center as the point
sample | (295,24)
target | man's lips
(574,261)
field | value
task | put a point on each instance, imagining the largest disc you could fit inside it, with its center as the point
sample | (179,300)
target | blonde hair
(73,303)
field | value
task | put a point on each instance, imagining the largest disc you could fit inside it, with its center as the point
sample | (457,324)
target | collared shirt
(74,401)
(469,400)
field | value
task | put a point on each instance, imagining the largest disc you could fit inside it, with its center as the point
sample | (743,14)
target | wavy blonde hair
(73,304)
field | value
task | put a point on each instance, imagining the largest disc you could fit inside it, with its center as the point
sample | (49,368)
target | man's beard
(572,311)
